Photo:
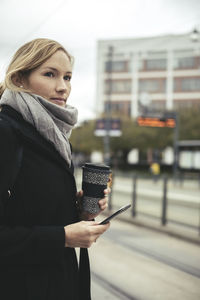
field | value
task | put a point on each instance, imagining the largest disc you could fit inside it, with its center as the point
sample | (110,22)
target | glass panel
(185,159)
(184,63)
(186,84)
(190,84)
(118,86)
(117,66)
(117,106)
(152,85)
(156,64)
(196,160)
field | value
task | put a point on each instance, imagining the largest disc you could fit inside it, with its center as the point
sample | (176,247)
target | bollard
(199,180)
(110,201)
(110,204)
(134,196)
(164,202)
(199,208)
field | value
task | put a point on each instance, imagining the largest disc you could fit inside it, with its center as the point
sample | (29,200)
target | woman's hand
(83,234)
(103,204)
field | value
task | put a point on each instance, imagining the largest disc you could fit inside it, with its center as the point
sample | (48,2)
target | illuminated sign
(156,122)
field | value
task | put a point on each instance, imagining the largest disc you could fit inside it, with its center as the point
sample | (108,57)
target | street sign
(112,127)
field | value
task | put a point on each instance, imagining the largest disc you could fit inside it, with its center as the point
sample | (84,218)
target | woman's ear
(17,80)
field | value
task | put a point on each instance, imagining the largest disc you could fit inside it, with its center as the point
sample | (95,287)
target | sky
(78,25)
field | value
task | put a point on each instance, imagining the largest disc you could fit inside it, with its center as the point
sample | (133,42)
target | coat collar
(28,132)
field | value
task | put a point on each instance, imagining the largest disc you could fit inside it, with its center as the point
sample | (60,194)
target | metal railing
(163,200)
(160,199)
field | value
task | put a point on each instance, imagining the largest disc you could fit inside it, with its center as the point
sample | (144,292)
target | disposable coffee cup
(95,180)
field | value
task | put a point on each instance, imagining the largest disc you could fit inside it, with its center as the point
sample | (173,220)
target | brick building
(156,73)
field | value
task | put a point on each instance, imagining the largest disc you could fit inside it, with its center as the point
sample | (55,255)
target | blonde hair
(28,57)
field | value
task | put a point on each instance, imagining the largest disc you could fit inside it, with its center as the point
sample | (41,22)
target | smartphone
(119,211)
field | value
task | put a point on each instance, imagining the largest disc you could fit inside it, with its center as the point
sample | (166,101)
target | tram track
(133,263)
(112,288)
(169,261)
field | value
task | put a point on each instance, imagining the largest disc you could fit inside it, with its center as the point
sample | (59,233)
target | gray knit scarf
(53,122)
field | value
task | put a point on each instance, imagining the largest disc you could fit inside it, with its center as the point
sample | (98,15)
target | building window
(179,104)
(186,62)
(186,84)
(153,64)
(118,107)
(156,64)
(158,105)
(117,86)
(152,85)
(117,66)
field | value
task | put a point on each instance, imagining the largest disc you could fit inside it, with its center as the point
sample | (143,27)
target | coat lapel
(28,132)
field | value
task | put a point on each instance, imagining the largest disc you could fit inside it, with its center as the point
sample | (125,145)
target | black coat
(34,264)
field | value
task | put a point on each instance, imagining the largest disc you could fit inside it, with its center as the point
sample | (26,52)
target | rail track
(114,290)
(169,261)
(121,238)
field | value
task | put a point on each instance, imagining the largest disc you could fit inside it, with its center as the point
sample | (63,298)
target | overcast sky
(79,24)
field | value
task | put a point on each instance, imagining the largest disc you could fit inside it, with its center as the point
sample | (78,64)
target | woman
(40,224)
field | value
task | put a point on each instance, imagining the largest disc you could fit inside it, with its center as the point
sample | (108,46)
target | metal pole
(107,145)
(110,202)
(134,196)
(108,109)
(199,220)
(199,181)
(176,138)
(164,202)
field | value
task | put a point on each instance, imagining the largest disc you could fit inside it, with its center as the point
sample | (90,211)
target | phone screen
(119,211)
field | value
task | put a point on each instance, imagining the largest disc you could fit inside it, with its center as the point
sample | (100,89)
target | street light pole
(175,144)
(108,108)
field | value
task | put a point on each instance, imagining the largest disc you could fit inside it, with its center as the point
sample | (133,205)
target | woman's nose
(61,85)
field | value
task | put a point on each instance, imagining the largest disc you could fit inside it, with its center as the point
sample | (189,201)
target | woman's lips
(58,100)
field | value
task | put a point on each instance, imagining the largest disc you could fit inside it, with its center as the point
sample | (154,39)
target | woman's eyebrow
(54,69)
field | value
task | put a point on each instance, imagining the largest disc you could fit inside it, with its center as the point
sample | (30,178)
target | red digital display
(156,122)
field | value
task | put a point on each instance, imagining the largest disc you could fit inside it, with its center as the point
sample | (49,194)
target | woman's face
(51,80)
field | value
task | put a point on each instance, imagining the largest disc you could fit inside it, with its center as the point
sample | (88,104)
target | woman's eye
(67,77)
(49,74)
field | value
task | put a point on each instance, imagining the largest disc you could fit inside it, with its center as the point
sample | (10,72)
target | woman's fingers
(107,191)
(79,194)
(83,234)
(103,203)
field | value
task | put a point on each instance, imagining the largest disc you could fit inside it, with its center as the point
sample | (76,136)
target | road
(130,262)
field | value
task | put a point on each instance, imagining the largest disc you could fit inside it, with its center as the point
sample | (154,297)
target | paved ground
(130,262)
(136,263)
